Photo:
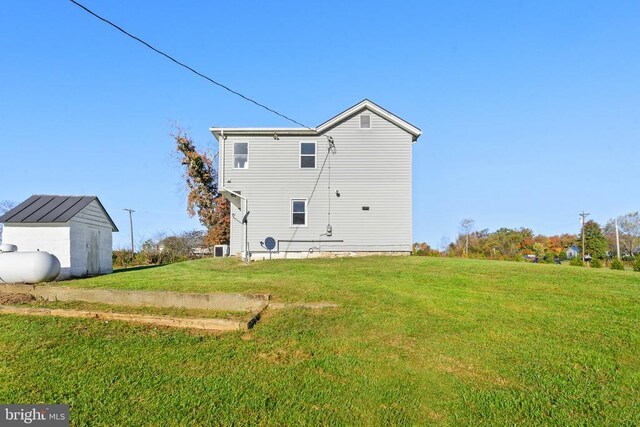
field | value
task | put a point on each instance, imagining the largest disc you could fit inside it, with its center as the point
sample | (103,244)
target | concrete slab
(221,325)
(215,301)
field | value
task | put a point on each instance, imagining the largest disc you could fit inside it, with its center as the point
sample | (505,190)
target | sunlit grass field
(414,341)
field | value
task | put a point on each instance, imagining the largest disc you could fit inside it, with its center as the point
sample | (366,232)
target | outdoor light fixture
(276,137)
(337,193)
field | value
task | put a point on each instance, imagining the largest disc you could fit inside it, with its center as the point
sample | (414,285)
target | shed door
(93,252)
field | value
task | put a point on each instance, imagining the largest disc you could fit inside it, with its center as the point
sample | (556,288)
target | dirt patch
(16,299)
(471,371)
(312,305)
(283,356)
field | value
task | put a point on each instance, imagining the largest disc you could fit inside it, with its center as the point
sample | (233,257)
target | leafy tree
(636,265)
(595,242)
(559,244)
(539,249)
(423,249)
(203,199)
(554,245)
(509,242)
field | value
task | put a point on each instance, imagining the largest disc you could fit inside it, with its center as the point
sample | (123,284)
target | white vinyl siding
(298,212)
(361,158)
(241,155)
(308,155)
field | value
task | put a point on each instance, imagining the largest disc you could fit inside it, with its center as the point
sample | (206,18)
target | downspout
(243,199)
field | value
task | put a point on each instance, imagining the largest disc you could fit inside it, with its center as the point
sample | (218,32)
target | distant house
(76,229)
(343,186)
(572,252)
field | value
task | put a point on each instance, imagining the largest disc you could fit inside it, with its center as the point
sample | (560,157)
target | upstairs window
(240,155)
(298,212)
(307,154)
(365,121)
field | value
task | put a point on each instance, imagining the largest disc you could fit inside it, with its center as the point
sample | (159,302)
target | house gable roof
(365,104)
(329,124)
(40,209)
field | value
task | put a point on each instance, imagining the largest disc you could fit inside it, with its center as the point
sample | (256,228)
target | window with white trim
(307,154)
(240,155)
(365,121)
(298,212)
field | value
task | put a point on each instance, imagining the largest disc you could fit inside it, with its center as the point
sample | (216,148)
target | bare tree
(466,227)
(5,206)
(445,242)
(629,228)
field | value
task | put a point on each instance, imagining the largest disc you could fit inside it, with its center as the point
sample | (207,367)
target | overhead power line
(182,64)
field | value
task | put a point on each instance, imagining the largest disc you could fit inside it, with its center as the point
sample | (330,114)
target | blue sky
(530,110)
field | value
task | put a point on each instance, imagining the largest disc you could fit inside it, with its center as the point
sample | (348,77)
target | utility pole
(615,221)
(131,211)
(583,216)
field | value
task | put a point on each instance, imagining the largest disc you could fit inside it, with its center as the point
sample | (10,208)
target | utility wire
(318,178)
(169,57)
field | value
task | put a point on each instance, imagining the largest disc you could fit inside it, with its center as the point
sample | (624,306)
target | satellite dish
(270,243)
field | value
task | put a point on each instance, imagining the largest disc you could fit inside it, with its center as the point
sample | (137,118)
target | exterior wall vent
(365,121)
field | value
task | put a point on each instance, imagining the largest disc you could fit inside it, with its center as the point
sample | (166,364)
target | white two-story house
(344,186)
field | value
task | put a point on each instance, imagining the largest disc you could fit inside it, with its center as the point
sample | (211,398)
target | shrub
(616,264)
(121,257)
(161,249)
(596,263)
(423,249)
(636,265)
(576,261)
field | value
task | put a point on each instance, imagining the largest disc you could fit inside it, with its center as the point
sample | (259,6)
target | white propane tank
(27,267)
(8,248)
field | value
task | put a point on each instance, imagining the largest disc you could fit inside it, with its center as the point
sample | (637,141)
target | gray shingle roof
(47,209)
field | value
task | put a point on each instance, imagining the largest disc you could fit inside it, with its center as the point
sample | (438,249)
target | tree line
(518,244)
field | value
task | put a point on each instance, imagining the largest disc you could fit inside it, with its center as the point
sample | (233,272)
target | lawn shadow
(136,268)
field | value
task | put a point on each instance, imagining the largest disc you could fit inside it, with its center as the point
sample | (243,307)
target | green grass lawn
(415,341)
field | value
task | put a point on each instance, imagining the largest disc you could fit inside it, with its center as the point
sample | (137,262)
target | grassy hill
(414,341)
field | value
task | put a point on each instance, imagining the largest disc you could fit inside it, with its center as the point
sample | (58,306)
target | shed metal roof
(40,208)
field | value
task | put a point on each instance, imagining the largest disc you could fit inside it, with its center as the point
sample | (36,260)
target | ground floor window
(298,212)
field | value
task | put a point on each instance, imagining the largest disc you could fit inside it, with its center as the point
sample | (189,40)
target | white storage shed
(76,229)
